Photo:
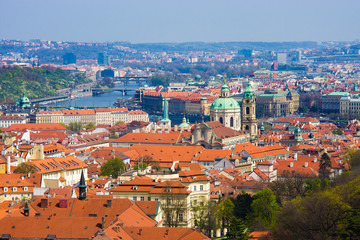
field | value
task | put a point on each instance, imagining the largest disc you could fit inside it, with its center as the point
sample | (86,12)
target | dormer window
(5,189)
(135,187)
(14,189)
(25,189)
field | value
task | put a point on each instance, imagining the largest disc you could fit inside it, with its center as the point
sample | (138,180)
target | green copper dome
(24,101)
(249,93)
(224,103)
(184,124)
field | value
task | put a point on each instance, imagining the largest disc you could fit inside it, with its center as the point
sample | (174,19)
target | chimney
(295,157)
(102,222)
(306,164)
(291,164)
(63,203)
(44,203)
(109,203)
(8,164)
(176,128)
(315,159)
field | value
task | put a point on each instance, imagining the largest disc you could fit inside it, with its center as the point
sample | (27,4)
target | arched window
(231,122)
(247,127)
(221,120)
(247,110)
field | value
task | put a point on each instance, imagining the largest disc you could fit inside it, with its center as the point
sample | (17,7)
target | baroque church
(227,111)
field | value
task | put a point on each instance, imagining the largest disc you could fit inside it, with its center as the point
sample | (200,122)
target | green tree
(225,212)
(237,230)
(160,79)
(119,122)
(325,166)
(318,216)
(349,155)
(90,126)
(75,126)
(242,205)
(141,166)
(25,168)
(338,131)
(113,167)
(205,217)
(265,209)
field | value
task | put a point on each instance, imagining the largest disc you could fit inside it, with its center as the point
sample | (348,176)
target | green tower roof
(262,128)
(249,93)
(225,87)
(165,117)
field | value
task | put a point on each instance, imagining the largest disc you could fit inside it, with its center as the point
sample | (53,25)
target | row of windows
(14,189)
(195,188)
(135,198)
(22,195)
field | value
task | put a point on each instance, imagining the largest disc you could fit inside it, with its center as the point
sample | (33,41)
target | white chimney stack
(315,159)
(306,164)
(8,164)
(291,164)
(295,157)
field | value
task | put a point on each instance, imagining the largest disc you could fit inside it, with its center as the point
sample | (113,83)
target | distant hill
(35,82)
(222,46)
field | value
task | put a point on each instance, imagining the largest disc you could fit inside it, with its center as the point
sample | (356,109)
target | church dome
(24,101)
(184,124)
(225,103)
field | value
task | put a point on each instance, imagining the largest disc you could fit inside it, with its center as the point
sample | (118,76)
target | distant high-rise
(282,57)
(298,55)
(69,58)
(103,59)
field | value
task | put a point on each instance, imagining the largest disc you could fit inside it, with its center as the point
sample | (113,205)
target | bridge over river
(97,91)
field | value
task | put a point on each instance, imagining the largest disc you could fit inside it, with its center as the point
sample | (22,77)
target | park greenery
(297,206)
(25,168)
(113,167)
(36,82)
(77,126)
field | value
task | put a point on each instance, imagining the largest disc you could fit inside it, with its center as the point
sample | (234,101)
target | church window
(247,110)
(247,127)
(221,120)
(231,122)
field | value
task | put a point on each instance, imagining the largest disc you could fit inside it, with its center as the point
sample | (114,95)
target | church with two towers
(227,111)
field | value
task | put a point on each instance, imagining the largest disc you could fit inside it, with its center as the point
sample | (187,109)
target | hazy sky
(180,20)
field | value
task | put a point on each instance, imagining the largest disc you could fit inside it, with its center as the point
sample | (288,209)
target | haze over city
(187,120)
(180,21)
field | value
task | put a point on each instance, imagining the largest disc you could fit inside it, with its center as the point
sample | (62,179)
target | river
(101,100)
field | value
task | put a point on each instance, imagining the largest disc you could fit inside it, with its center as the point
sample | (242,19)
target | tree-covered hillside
(35,82)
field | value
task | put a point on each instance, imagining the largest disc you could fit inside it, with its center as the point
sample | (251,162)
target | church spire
(26,209)
(82,187)
(165,117)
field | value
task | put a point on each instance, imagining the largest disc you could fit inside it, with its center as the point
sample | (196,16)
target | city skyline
(186,21)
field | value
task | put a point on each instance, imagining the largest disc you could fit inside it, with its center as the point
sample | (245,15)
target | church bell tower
(249,122)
